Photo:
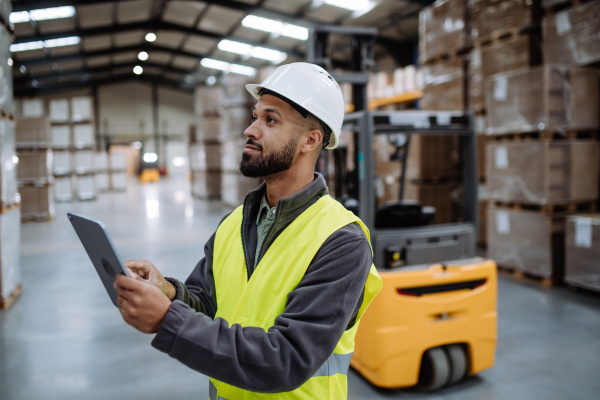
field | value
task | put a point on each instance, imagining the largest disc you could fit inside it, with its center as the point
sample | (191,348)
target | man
(272,309)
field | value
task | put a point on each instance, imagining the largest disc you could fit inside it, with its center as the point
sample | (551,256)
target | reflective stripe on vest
(258,301)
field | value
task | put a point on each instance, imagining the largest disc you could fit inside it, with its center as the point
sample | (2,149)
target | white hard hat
(310,87)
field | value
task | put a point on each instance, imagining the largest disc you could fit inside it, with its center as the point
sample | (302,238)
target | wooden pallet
(498,36)
(527,277)
(564,5)
(570,208)
(8,207)
(36,218)
(448,56)
(6,303)
(544,135)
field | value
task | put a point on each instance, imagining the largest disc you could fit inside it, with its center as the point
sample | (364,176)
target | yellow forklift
(434,321)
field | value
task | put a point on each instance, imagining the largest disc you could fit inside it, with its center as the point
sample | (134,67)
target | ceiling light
(151,37)
(211,80)
(234,47)
(138,70)
(262,24)
(42,14)
(38,44)
(353,5)
(273,26)
(19,16)
(227,67)
(143,56)
(268,54)
(247,50)
(295,31)
(136,145)
(23,69)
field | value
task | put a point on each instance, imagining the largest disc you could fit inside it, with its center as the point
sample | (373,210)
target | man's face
(272,138)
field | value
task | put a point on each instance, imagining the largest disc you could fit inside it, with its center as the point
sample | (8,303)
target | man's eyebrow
(273,110)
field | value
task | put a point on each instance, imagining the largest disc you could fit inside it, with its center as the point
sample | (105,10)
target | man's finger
(125,294)
(129,283)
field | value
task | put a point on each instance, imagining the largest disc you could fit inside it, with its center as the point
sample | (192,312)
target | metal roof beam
(151,25)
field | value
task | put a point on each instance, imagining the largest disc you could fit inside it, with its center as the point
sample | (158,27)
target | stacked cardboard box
(10,212)
(204,145)
(582,266)
(34,170)
(117,170)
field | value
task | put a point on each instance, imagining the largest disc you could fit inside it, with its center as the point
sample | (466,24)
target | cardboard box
(83,136)
(442,29)
(209,128)
(543,172)
(10,269)
(490,19)
(481,156)
(102,181)
(81,108)
(59,110)
(527,241)
(571,36)
(61,136)
(445,85)
(34,166)
(206,184)
(554,98)
(235,90)
(482,229)
(582,266)
(85,186)
(433,157)
(37,202)
(62,162)
(34,132)
(83,161)
(63,188)
(235,187)
(205,156)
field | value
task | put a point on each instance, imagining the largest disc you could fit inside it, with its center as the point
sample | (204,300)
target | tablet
(102,251)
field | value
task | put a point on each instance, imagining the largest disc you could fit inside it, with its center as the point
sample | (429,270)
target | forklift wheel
(435,370)
(458,362)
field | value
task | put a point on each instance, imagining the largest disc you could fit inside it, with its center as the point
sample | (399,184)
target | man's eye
(271,119)
(254,118)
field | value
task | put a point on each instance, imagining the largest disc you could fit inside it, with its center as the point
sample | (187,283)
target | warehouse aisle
(64,339)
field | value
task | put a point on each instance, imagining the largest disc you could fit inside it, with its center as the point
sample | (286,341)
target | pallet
(436,181)
(4,208)
(544,135)
(6,115)
(6,303)
(448,56)
(563,5)
(527,277)
(36,218)
(498,36)
(570,208)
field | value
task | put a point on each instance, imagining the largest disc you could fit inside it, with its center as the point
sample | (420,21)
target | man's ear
(313,141)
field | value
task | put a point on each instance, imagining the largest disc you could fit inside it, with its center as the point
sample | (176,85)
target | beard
(262,165)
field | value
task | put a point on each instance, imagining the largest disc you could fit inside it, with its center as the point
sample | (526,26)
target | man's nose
(253,131)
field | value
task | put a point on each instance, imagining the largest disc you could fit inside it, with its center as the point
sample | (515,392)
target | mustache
(253,143)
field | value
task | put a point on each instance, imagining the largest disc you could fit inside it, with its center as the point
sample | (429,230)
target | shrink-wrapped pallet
(235,121)
(231,154)
(62,163)
(442,29)
(208,99)
(543,172)
(10,270)
(6,79)
(527,241)
(61,137)
(8,162)
(554,98)
(582,247)
(571,36)
(63,188)
(83,136)
(85,187)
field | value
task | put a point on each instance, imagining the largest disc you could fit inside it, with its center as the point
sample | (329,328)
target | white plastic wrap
(10,234)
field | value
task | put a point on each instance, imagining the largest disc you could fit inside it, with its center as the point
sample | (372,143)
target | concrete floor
(63,338)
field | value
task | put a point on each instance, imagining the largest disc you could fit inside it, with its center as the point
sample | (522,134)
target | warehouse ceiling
(183,43)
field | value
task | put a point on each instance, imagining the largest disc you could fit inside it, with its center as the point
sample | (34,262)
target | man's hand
(148,272)
(141,304)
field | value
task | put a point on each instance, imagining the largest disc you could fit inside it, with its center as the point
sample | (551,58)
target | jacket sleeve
(316,314)
(198,292)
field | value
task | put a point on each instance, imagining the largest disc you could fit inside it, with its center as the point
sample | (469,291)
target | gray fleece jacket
(318,311)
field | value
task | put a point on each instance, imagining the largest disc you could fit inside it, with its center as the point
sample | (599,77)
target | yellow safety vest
(258,301)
